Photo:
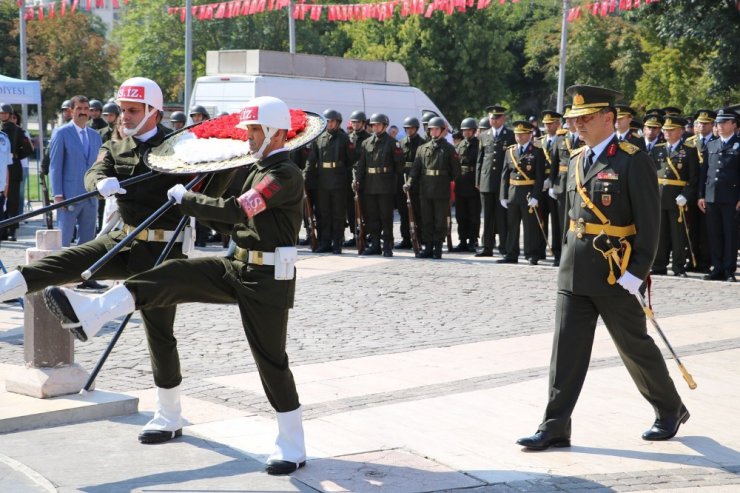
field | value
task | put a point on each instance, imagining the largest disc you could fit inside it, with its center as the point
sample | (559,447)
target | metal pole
(24,56)
(563,50)
(188,54)
(291,28)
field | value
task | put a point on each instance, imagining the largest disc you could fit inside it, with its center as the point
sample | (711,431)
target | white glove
(176,193)
(553,194)
(532,202)
(109,186)
(504,203)
(681,200)
(630,282)
(548,184)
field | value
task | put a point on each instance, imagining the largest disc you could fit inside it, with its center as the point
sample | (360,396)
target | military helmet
(66,105)
(111,108)
(200,109)
(484,124)
(6,108)
(178,116)
(331,114)
(426,116)
(437,122)
(357,116)
(379,118)
(95,104)
(469,124)
(411,121)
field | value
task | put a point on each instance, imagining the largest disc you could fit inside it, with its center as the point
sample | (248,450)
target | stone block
(49,239)
(43,383)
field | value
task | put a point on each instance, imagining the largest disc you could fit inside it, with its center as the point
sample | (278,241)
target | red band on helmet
(131,92)
(249,113)
(251,203)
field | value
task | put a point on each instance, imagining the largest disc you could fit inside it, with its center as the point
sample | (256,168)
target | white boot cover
(12,285)
(168,415)
(290,445)
(95,311)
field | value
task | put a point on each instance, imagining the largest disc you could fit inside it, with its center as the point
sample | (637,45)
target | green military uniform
(409,146)
(300,158)
(566,144)
(355,139)
(493,144)
(678,174)
(123,159)
(632,137)
(246,278)
(548,205)
(436,165)
(381,160)
(467,198)
(521,180)
(330,157)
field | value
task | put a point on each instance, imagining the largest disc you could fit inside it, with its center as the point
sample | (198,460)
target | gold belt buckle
(143,235)
(256,258)
(580,228)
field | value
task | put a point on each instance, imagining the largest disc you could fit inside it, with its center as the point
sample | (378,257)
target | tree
(69,56)
(9,58)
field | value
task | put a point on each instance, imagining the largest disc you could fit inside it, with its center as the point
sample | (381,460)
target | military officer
(719,195)
(330,155)
(467,198)
(436,165)
(260,276)
(381,160)
(359,133)
(493,144)
(522,182)
(678,175)
(612,195)
(21,149)
(409,145)
(549,204)
(139,99)
(703,135)
(625,114)
(651,131)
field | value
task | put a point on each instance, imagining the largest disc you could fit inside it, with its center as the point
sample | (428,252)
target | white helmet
(269,112)
(141,90)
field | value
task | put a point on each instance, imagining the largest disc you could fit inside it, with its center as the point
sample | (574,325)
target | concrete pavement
(415,376)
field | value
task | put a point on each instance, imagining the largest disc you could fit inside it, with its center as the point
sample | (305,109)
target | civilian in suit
(73,150)
(719,196)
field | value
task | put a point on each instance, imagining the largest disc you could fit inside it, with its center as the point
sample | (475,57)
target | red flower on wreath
(224,127)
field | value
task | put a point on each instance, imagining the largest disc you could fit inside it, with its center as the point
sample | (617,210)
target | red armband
(251,203)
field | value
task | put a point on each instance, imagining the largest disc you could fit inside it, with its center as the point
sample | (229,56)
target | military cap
(522,127)
(655,111)
(484,124)
(672,122)
(726,114)
(624,110)
(689,121)
(496,110)
(591,99)
(636,124)
(566,111)
(672,110)
(550,116)
(66,105)
(705,116)
(653,120)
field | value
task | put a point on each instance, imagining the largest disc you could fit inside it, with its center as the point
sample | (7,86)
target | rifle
(45,200)
(359,224)
(412,224)
(313,240)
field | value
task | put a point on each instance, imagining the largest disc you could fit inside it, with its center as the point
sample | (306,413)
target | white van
(310,82)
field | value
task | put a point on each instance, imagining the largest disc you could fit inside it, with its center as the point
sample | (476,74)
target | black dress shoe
(486,252)
(324,249)
(303,241)
(533,261)
(281,467)
(387,252)
(11,237)
(658,272)
(59,306)
(714,276)
(350,243)
(508,261)
(158,436)
(543,440)
(337,250)
(731,278)
(680,274)
(665,428)
(556,262)
(91,285)
(403,245)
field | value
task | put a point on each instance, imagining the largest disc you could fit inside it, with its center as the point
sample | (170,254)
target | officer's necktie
(85,143)
(650,147)
(587,162)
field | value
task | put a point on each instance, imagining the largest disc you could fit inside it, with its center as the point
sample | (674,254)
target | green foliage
(10,64)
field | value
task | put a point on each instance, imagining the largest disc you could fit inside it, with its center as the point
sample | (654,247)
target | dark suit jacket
(623,184)
(491,159)
(720,177)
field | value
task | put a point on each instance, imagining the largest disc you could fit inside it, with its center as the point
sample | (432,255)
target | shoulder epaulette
(511,146)
(690,142)
(537,143)
(659,144)
(576,151)
(629,148)
(561,131)
(691,139)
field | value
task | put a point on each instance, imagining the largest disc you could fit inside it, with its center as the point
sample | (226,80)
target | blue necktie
(587,162)
(85,143)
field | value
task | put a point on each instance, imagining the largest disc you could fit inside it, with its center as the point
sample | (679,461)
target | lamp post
(563,52)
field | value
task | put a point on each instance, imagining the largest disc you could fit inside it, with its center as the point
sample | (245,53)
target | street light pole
(24,56)
(188,53)
(563,57)
(291,28)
